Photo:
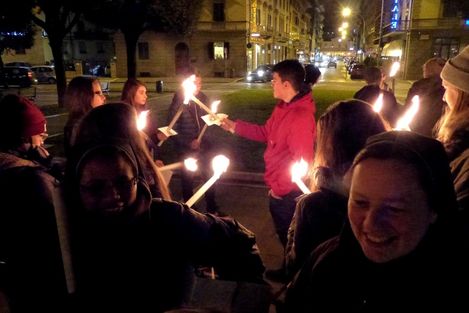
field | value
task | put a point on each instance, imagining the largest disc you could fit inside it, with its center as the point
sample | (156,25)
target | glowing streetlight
(346,11)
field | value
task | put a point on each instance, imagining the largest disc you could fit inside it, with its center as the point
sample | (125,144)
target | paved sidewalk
(243,195)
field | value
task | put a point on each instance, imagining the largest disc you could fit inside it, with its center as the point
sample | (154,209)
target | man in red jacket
(289,134)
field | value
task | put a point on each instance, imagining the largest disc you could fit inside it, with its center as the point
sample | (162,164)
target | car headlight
(260,73)
(249,78)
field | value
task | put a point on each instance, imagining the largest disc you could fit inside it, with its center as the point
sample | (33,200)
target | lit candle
(189,88)
(214,108)
(298,170)
(394,69)
(142,119)
(220,164)
(378,105)
(189,163)
(406,119)
(167,170)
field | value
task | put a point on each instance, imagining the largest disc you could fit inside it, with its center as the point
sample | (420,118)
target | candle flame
(378,105)
(191,164)
(142,119)
(214,106)
(394,69)
(299,170)
(406,119)
(189,88)
(220,164)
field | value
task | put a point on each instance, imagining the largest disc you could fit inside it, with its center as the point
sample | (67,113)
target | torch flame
(191,164)
(394,68)
(214,106)
(142,119)
(378,105)
(189,88)
(406,119)
(299,170)
(220,164)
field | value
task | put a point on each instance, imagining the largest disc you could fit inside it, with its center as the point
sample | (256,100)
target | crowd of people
(99,232)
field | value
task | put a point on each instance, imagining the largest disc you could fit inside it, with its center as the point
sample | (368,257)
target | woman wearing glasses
(132,252)
(82,94)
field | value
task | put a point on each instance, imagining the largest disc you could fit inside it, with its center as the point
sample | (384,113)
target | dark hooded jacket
(318,216)
(430,92)
(339,278)
(31,267)
(143,259)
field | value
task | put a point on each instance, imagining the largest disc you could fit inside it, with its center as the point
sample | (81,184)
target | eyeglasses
(99,93)
(100,187)
(44,136)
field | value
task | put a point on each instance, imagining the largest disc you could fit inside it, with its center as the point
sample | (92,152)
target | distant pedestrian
(82,94)
(342,132)
(312,74)
(430,91)
(289,134)
(401,237)
(375,79)
(134,93)
(189,126)
(453,129)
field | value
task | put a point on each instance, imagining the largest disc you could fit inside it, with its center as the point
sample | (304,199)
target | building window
(219,10)
(99,47)
(82,47)
(143,51)
(445,47)
(218,50)
(258,16)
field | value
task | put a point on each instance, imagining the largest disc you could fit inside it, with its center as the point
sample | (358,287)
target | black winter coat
(143,261)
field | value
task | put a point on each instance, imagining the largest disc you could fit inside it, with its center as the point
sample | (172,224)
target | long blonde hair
(454,119)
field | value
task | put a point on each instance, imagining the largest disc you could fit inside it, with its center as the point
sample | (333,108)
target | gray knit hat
(456,70)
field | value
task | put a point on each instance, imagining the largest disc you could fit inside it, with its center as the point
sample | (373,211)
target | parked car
(22,64)
(262,73)
(357,71)
(332,64)
(17,76)
(45,74)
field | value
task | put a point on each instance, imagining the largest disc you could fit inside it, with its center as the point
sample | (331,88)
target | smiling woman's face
(107,186)
(388,209)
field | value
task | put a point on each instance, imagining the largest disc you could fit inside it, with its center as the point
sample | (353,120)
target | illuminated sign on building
(466,22)
(395,14)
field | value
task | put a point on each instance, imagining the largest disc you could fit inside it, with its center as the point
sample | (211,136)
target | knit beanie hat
(426,155)
(456,70)
(20,118)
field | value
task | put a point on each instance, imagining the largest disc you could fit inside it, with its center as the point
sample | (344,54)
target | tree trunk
(56,45)
(131,39)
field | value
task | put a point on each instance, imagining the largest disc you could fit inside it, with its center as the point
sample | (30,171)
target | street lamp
(347,12)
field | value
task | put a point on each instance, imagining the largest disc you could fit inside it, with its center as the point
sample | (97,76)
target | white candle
(190,164)
(394,69)
(378,105)
(298,170)
(220,164)
(204,107)
(176,116)
(404,122)
(170,167)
